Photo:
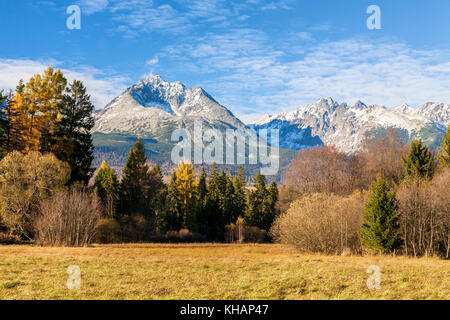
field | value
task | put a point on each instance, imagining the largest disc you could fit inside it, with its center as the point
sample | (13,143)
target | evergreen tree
(380,229)
(270,210)
(75,140)
(444,151)
(216,226)
(106,186)
(174,218)
(202,212)
(134,184)
(229,210)
(239,194)
(4,124)
(256,202)
(419,161)
(157,196)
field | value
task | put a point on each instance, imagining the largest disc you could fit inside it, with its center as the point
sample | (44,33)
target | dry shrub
(68,219)
(245,234)
(108,231)
(184,235)
(136,228)
(322,223)
(424,209)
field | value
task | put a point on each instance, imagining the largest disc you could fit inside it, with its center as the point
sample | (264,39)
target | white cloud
(93,6)
(103,87)
(153,61)
(253,76)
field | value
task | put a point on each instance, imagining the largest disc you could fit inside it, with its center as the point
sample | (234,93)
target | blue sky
(253,56)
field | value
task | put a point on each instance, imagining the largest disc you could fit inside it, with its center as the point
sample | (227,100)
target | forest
(388,198)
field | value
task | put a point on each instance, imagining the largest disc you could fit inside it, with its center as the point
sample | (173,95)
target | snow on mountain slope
(346,126)
(154,107)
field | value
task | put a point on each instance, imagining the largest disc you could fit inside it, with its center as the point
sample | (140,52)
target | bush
(322,223)
(68,219)
(245,234)
(184,235)
(26,180)
(108,231)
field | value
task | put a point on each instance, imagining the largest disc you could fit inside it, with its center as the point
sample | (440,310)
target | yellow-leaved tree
(187,192)
(43,101)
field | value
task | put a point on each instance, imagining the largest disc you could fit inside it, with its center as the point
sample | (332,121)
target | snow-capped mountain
(346,126)
(153,107)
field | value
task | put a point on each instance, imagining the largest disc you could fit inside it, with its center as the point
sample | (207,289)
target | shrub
(26,180)
(68,219)
(108,231)
(184,235)
(322,223)
(245,234)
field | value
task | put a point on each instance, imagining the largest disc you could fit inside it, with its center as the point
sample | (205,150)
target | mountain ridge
(154,108)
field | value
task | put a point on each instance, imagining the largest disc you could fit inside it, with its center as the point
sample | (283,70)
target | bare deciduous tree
(424,209)
(68,219)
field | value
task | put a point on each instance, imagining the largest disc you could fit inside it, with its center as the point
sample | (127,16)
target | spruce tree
(4,124)
(270,210)
(174,216)
(256,202)
(157,198)
(134,184)
(213,206)
(239,194)
(444,151)
(419,161)
(202,212)
(75,143)
(380,229)
(106,186)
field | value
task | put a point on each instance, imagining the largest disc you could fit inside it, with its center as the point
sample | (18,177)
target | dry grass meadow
(213,271)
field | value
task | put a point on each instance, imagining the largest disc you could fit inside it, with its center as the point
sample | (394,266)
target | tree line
(388,198)
(208,205)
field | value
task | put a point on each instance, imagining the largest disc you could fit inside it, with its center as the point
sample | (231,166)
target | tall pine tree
(419,161)
(75,144)
(106,186)
(134,184)
(202,212)
(380,229)
(174,218)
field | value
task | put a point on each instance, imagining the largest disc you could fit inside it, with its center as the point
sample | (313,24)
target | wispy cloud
(134,17)
(254,76)
(102,86)
(93,6)
(153,61)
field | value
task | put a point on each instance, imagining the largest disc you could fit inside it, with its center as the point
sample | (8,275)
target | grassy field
(210,271)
